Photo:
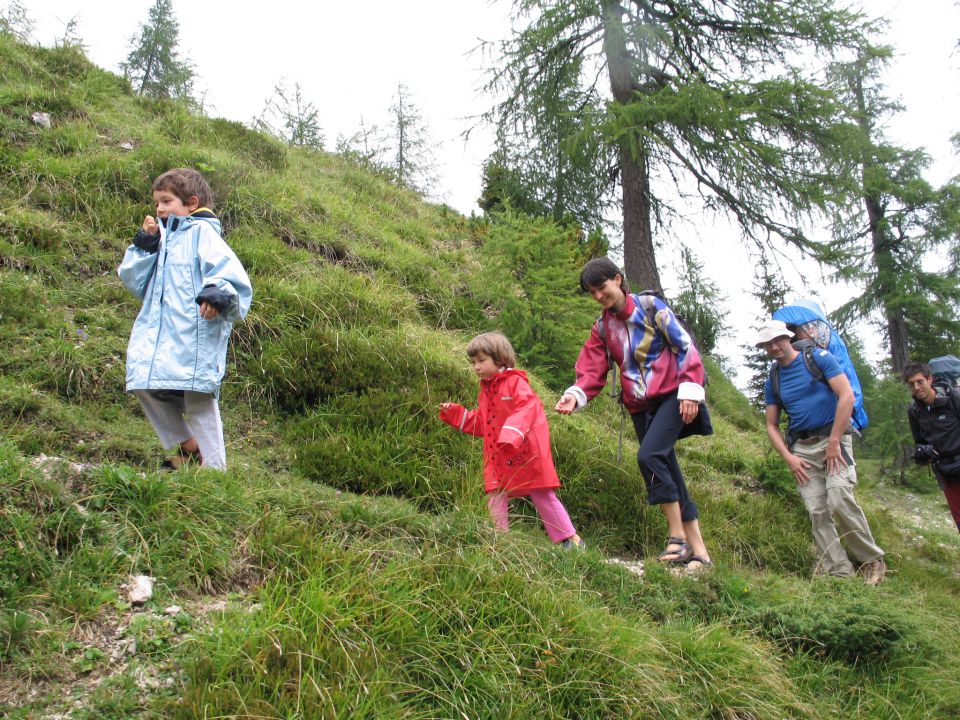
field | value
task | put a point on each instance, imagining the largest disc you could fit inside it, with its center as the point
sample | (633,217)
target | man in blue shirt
(819,451)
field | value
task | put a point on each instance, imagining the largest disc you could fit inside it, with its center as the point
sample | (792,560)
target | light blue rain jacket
(171,347)
(801,312)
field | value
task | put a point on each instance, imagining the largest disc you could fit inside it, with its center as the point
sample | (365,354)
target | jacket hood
(175,222)
(502,374)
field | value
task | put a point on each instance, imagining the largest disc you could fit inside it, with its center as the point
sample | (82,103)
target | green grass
(344,566)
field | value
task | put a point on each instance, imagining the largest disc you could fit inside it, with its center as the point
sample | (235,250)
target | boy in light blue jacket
(193,288)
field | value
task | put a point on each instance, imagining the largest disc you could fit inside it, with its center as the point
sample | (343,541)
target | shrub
(850,630)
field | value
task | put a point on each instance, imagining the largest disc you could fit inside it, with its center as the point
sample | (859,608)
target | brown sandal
(678,556)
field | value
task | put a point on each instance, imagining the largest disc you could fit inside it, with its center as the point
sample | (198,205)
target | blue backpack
(804,311)
(946,368)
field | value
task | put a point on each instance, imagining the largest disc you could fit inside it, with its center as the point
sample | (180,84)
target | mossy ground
(344,566)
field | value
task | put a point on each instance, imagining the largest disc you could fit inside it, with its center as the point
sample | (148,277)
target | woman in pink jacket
(662,387)
(517,460)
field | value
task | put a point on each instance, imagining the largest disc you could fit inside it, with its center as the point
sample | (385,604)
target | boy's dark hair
(596,272)
(185,183)
(916,367)
(496,346)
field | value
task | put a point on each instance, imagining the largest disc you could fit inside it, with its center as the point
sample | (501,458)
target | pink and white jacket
(516,438)
(654,360)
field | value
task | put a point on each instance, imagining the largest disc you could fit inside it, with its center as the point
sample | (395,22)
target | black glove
(925,454)
(146,241)
(220,299)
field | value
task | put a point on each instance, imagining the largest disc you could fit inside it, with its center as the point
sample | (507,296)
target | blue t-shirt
(809,402)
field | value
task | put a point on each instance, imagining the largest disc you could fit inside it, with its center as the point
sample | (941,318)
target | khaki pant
(832,507)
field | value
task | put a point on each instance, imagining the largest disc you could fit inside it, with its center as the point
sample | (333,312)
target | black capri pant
(658,430)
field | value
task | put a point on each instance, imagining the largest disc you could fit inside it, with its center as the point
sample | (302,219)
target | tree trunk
(882,254)
(893,313)
(639,259)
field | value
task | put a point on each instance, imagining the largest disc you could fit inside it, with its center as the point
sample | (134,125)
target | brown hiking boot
(874,571)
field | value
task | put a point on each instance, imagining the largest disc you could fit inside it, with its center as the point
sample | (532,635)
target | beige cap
(771,330)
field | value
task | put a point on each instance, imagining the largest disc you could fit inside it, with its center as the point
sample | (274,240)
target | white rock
(173,610)
(42,119)
(126,146)
(140,589)
(634,566)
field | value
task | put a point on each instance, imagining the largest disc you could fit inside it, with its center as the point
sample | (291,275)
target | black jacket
(938,424)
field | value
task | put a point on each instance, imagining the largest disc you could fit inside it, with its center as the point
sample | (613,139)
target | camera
(925,454)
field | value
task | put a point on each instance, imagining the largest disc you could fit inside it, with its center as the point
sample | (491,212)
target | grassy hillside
(344,566)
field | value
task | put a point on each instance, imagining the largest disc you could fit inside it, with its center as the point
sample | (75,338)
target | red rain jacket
(516,438)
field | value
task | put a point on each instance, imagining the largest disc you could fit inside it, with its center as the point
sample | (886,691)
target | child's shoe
(175,462)
(570,543)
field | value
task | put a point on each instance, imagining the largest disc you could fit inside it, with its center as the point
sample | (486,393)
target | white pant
(177,418)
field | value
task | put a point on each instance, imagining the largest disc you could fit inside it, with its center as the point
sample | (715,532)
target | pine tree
(153,66)
(16,21)
(894,217)
(366,146)
(704,94)
(413,159)
(771,290)
(291,117)
(700,302)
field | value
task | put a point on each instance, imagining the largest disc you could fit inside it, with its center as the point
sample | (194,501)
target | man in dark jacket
(934,418)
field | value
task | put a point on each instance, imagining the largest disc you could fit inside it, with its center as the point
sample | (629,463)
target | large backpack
(806,348)
(802,311)
(946,368)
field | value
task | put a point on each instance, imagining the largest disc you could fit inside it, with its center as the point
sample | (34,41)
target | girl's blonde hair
(496,346)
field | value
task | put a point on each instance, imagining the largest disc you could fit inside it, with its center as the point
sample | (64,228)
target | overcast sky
(349,58)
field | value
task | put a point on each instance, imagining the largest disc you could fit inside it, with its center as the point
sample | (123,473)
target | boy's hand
(208,311)
(150,225)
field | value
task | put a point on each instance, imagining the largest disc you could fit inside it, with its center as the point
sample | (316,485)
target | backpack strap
(649,306)
(806,348)
(614,392)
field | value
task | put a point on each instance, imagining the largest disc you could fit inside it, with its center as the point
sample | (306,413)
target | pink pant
(552,513)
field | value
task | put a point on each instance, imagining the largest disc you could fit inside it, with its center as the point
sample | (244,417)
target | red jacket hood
(502,375)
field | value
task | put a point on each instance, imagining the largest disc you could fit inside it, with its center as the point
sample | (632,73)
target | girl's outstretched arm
(459,417)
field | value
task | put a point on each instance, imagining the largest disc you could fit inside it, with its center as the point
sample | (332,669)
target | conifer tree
(16,21)
(413,159)
(291,117)
(894,217)
(771,290)
(706,97)
(153,66)
(366,146)
(701,302)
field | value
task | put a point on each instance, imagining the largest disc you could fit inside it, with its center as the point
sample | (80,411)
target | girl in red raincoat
(516,438)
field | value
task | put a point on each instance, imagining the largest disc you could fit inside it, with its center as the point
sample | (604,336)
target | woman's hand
(689,410)
(566,405)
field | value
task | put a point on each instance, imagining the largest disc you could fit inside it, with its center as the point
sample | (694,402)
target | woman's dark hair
(596,272)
